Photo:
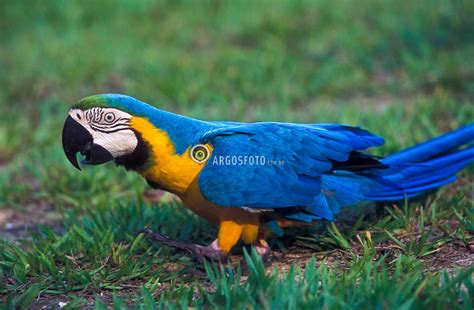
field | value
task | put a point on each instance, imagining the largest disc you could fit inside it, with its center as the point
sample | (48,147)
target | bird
(255,179)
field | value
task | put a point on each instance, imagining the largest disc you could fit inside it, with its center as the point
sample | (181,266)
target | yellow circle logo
(200,153)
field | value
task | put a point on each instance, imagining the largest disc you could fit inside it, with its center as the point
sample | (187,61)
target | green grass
(401,69)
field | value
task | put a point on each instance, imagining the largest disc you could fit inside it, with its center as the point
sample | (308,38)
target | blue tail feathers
(434,147)
(423,167)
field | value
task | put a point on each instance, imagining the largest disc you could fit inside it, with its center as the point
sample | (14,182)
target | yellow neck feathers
(171,171)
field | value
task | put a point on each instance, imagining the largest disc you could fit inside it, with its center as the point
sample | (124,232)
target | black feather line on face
(109,130)
(138,158)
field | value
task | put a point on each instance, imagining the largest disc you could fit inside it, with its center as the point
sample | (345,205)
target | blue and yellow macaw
(250,178)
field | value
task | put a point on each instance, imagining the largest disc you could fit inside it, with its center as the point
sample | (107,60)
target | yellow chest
(172,171)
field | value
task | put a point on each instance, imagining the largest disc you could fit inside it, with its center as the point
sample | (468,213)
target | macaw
(256,178)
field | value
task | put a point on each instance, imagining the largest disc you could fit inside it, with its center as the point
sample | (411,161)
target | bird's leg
(229,234)
(254,234)
(200,252)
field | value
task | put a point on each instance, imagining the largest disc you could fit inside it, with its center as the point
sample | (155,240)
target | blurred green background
(245,60)
(402,69)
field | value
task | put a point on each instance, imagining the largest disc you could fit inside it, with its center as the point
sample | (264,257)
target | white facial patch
(109,128)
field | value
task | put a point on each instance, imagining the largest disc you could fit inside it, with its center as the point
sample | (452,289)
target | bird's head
(99,128)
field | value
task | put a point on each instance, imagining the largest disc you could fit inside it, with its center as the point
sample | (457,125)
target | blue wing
(281,166)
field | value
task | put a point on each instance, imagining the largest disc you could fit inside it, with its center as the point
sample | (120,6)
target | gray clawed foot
(199,252)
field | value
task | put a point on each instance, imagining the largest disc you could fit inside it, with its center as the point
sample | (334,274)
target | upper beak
(77,139)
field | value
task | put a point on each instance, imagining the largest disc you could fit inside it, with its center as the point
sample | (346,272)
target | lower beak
(77,139)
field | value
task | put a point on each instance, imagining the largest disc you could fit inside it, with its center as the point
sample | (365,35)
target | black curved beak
(76,139)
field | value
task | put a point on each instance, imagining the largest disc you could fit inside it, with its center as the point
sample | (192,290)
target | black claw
(144,231)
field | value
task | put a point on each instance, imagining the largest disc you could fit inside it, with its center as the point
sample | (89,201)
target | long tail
(423,167)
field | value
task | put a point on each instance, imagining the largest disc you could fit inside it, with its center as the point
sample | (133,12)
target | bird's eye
(199,153)
(109,117)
